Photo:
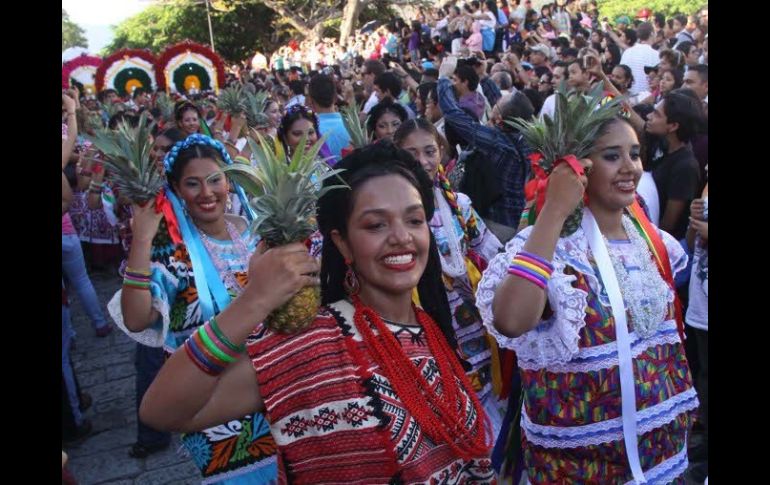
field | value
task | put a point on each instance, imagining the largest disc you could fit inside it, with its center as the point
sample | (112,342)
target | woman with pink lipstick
(181,270)
(372,391)
(607,391)
(465,247)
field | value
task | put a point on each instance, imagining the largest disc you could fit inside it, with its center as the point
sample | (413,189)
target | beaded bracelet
(532,268)
(95,187)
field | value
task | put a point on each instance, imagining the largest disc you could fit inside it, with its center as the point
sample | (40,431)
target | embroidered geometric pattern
(337,408)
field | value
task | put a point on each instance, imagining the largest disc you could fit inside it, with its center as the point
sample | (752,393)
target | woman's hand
(697,208)
(145,222)
(701,227)
(237,122)
(68,103)
(276,274)
(565,189)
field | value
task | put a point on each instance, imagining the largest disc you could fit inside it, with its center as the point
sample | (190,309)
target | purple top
(414,41)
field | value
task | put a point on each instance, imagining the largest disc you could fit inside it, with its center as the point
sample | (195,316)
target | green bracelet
(212,347)
(225,340)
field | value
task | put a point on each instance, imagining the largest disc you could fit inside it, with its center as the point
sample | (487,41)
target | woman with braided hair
(372,390)
(187,261)
(465,246)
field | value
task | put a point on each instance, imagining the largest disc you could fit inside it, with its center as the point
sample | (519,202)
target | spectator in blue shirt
(322,94)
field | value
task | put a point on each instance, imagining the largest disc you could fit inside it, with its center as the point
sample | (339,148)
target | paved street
(105,369)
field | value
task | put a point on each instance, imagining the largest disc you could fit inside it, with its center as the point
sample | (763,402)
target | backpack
(475,175)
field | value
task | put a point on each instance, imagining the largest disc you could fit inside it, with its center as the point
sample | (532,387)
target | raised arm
(519,304)
(183,397)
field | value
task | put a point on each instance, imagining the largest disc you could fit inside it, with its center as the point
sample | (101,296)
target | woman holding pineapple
(181,275)
(589,307)
(371,390)
(465,246)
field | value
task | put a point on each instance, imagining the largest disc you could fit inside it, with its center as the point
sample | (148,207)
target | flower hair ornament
(192,140)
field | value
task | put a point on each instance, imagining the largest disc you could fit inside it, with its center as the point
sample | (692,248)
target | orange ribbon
(162,204)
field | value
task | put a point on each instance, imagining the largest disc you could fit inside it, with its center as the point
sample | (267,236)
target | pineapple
(128,161)
(573,130)
(112,108)
(359,135)
(166,106)
(232,100)
(255,109)
(284,197)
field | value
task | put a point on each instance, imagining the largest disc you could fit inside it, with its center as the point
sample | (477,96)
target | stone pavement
(105,369)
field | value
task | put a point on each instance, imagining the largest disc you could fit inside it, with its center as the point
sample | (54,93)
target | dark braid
(334,209)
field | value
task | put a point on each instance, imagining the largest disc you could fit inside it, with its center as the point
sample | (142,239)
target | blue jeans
(74,268)
(66,366)
(148,362)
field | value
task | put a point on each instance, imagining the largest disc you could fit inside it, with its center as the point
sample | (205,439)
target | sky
(96,17)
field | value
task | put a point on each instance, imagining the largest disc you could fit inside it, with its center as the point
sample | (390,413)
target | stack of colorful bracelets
(138,279)
(210,350)
(531,267)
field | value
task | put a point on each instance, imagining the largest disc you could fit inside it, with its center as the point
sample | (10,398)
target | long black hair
(334,209)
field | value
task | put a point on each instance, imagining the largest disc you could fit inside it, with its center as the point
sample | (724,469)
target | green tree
(240,27)
(72,35)
(614,8)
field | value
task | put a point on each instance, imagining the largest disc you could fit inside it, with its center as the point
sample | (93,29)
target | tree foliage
(72,35)
(614,8)
(240,28)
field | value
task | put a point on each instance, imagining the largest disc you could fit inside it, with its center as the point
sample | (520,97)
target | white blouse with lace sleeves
(554,340)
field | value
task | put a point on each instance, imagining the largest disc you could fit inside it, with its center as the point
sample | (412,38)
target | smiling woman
(178,275)
(389,398)
(592,316)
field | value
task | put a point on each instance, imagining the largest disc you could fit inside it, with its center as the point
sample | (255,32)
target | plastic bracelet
(212,347)
(218,342)
(142,272)
(523,274)
(218,332)
(200,360)
(206,352)
(537,269)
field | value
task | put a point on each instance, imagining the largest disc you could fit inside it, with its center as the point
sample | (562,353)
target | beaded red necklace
(441,417)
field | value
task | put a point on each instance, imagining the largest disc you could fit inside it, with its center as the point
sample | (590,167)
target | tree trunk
(349,20)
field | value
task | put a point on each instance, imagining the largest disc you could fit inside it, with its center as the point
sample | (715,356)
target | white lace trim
(666,471)
(151,337)
(608,353)
(648,419)
(552,341)
(555,341)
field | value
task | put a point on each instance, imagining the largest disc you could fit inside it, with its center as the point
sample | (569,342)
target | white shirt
(549,107)
(636,58)
(649,192)
(371,102)
(299,99)
(698,305)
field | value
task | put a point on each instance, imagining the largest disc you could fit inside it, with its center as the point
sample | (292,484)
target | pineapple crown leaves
(111,108)
(194,139)
(283,195)
(255,104)
(127,152)
(359,135)
(232,100)
(574,127)
(166,106)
